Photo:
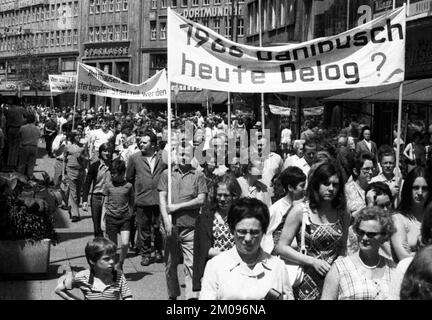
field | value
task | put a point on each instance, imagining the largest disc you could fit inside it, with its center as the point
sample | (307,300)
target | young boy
(118,208)
(102,281)
(293,181)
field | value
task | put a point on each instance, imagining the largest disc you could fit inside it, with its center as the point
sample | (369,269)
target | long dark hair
(320,175)
(406,194)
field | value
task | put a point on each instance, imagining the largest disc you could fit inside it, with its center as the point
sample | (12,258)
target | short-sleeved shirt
(185,187)
(118,290)
(117,201)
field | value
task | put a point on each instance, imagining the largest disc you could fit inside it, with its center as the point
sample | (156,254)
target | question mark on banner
(384,58)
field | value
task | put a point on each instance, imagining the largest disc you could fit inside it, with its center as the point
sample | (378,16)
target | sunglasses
(370,235)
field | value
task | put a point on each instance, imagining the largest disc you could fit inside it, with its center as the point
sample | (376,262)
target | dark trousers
(148,218)
(13,146)
(48,143)
(27,160)
(96,211)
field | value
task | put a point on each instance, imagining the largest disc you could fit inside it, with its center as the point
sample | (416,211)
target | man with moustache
(143,171)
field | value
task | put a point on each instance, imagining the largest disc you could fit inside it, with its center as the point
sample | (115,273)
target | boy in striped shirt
(102,281)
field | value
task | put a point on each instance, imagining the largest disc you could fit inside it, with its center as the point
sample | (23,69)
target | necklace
(370,267)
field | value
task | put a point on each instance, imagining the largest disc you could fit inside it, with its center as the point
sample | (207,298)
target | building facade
(37,37)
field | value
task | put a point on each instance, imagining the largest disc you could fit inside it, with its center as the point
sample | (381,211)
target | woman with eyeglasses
(212,233)
(365,275)
(246,272)
(326,230)
(415,197)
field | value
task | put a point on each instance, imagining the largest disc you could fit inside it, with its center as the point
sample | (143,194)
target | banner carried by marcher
(283,111)
(61,83)
(369,55)
(92,80)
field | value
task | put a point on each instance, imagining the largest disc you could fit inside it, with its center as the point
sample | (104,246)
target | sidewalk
(146,283)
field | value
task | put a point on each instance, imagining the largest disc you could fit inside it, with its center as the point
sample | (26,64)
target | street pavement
(146,283)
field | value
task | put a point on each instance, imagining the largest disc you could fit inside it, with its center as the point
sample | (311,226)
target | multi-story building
(37,37)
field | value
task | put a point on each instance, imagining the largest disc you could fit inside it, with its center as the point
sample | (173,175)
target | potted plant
(26,226)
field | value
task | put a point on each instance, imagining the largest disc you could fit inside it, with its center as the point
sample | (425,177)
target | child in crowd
(102,281)
(118,208)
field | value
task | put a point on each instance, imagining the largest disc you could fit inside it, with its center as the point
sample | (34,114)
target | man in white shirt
(297,159)
(99,137)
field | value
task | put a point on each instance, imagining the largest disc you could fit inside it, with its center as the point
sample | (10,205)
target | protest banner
(313,111)
(283,111)
(371,54)
(92,80)
(62,83)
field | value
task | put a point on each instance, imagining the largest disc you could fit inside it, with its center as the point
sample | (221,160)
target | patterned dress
(323,241)
(223,238)
(354,285)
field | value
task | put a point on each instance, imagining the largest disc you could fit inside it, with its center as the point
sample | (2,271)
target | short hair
(291,176)
(97,247)
(380,188)
(385,151)
(320,175)
(245,208)
(359,161)
(406,193)
(231,183)
(417,281)
(363,130)
(378,214)
(151,135)
(297,144)
(118,166)
(30,117)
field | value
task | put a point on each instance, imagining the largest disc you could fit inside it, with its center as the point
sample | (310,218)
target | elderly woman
(326,230)
(251,186)
(246,272)
(212,233)
(415,197)
(365,275)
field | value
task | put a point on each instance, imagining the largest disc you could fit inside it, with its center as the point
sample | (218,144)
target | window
(104,34)
(110,33)
(97,38)
(240,27)
(91,35)
(173,3)
(97,6)
(75,37)
(217,1)
(184,3)
(38,12)
(104,5)
(124,32)
(163,4)
(68,64)
(111,6)
(205,22)
(228,32)
(118,5)
(216,25)
(52,39)
(195,3)
(282,13)
(163,30)
(153,31)
(42,14)
(206,2)
(69,37)
(125,5)
(57,38)
(154,4)
(157,62)
(47,39)
(76,9)
(117,33)
(63,37)
(53,10)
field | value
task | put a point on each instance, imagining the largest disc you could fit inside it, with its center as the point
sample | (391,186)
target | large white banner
(368,55)
(283,111)
(92,80)
(62,83)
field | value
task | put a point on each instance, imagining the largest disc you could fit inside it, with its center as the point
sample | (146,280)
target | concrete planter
(21,256)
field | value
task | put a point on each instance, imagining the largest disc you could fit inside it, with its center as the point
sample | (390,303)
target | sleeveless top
(325,242)
(277,233)
(223,238)
(412,228)
(354,285)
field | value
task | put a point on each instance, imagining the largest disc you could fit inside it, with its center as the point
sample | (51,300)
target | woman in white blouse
(246,272)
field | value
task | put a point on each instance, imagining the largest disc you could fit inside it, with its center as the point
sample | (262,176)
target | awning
(9,93)
(191,97)
(414,91)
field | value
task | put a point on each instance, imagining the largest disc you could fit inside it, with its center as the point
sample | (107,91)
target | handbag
(295,271)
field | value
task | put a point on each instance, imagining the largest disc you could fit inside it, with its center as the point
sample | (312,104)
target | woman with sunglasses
(415,197)
(246,272)
(365,275)
(326,230)
(212,233)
